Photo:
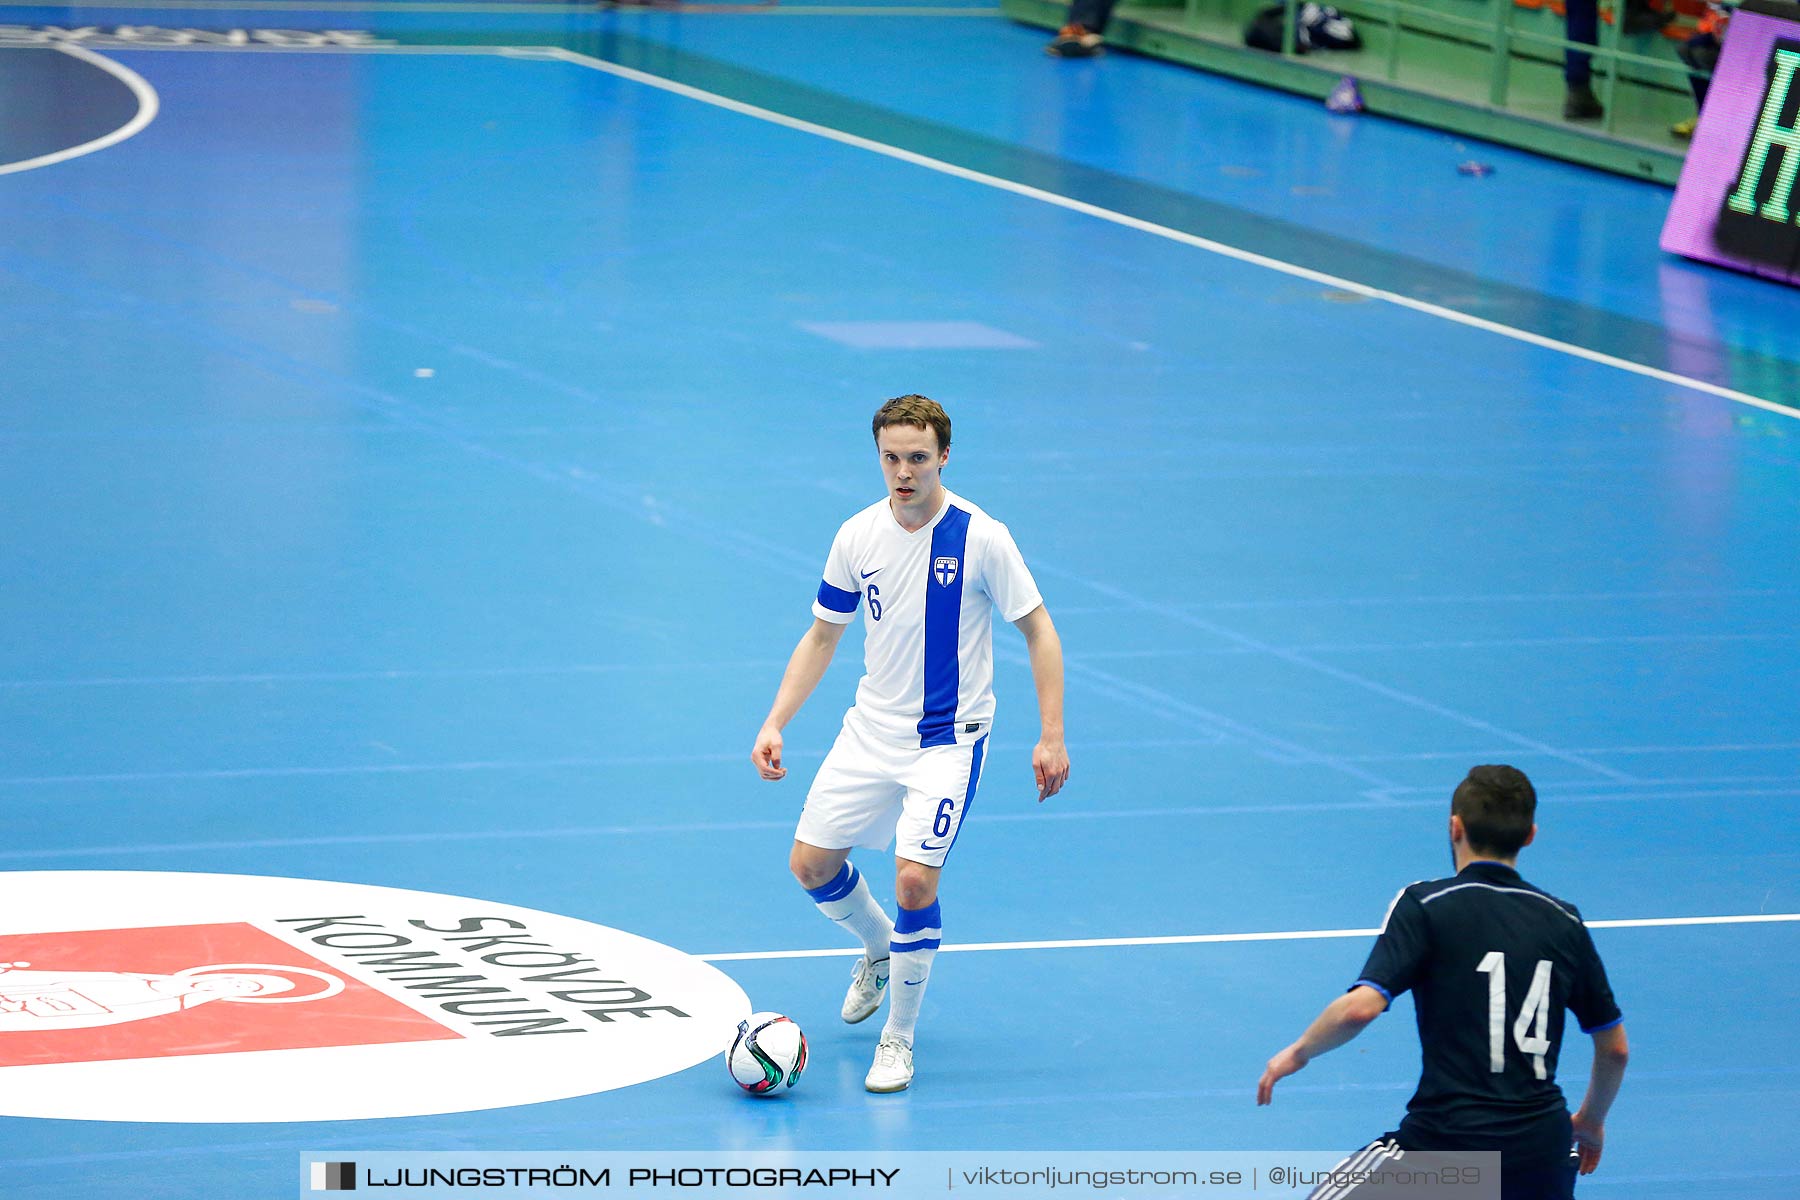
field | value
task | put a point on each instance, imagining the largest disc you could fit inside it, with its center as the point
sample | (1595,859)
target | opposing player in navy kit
(932,568)
(1492,962)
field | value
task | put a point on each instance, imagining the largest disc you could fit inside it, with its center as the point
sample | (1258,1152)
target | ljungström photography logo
(334,1177)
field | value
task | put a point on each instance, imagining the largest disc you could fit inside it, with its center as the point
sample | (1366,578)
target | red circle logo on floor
(150,996)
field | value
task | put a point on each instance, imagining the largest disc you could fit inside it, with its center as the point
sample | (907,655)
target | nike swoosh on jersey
(866,574)
(912,982)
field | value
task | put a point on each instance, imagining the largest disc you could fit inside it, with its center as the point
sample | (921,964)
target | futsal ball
(768,1054)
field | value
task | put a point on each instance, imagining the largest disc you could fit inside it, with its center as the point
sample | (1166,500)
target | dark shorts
(1527,1182)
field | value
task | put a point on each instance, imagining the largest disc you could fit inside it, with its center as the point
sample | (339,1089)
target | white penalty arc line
(1299,935)
(1163,231)
(148,105)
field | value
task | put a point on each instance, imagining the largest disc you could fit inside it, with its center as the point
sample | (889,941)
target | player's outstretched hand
(1279,1068)
(1050,763)
(1590,1138)
(766,755)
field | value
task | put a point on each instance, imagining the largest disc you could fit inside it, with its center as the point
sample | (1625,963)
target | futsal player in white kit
(930,569)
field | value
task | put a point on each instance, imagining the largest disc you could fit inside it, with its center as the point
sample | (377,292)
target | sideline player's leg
(842,894)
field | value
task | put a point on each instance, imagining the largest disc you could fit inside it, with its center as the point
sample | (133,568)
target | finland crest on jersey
(931,594)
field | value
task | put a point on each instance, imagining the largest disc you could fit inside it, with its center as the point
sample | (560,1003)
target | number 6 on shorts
(940,825)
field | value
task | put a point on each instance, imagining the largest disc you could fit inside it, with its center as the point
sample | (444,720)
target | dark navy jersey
(1492,963)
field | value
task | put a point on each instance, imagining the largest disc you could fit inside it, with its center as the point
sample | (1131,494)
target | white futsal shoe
(868,984)
(893,1067)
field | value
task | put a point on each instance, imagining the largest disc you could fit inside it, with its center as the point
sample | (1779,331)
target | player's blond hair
(919,411)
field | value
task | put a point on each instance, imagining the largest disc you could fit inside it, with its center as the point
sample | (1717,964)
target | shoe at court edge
(868,984)
(1074,41)
(892,1070)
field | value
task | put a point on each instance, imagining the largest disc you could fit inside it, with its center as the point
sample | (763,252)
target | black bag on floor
(1317,27)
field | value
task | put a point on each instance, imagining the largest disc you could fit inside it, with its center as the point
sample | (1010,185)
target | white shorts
(865,783)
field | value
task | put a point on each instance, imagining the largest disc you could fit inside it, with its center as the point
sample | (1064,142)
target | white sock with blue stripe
(915,943)
(848,901)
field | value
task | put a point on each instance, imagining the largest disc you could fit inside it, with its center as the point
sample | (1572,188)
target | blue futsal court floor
(417,460)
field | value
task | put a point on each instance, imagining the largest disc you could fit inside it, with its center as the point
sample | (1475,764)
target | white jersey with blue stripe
(929,652)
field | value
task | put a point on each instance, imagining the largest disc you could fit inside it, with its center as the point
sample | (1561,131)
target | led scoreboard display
(1738,201)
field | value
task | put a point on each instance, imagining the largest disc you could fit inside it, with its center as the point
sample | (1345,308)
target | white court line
(1519,740)
(146,113)
(1301,935)
(1029,817)
(1164,231)
(1396,601)
(1485,755)
(558,53)
(391,674)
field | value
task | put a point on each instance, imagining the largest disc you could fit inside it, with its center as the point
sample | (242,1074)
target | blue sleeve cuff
(837,599)
(1618,1020)
(1370,983)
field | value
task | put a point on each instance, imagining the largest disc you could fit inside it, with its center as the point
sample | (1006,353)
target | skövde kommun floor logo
(153,996)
